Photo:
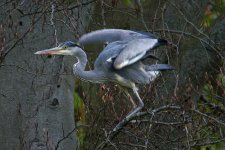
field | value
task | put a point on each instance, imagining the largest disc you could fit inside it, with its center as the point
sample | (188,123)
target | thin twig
(192,24)
(23,36)
(53,7)
(138,2)
(65,137)
(213,47)
(207,143)
(112,134)
(62,9)
(103,14)
(207,116)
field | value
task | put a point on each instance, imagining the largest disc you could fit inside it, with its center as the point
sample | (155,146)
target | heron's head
(65,48)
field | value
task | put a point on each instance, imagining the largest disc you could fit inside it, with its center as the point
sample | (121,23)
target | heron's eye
(65,47)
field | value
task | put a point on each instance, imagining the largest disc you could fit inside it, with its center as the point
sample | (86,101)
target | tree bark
(37,92)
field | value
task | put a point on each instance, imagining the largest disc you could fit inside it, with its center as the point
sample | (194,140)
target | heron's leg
(140,105)
(130,98)
(132,113)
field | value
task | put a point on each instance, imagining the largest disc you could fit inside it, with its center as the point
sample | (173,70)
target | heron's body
(121,61)
(104,70)
(128,75)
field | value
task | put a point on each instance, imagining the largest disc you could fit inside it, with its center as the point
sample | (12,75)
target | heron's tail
(154,70)
(160,42)
(159,67)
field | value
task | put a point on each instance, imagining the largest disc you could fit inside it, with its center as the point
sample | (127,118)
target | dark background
(43,107)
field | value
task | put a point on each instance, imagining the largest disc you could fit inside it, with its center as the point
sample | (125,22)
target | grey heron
(120,62)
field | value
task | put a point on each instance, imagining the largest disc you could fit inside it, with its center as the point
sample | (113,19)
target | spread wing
(111,35)
(134,51)
(120,54)
(107,57)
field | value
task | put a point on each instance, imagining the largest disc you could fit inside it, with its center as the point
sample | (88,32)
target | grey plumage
(121,61)
(112,35)
(134,45)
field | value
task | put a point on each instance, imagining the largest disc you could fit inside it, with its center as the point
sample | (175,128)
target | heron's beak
(51,51)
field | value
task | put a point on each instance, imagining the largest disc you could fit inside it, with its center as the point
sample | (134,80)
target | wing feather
(134,51)
(110,35)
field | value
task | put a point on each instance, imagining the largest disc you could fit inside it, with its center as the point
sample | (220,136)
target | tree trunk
(37,92)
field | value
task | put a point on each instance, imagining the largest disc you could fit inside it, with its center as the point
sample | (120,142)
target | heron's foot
(131,113)
(121,124)
(135,111)
(128,118)
(124,122)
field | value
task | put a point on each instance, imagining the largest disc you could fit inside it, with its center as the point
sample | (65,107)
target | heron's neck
(79,70)
(79,67)
(81,63)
